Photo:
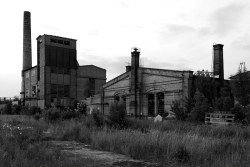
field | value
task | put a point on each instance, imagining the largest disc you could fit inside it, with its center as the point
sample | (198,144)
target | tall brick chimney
(27,54)
(135,57)
(218,64)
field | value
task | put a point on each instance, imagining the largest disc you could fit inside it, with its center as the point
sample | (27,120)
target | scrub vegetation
(170,143)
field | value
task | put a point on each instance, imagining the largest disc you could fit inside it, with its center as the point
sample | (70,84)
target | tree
(200,108)
(207,86)
(240,85)
(8,108)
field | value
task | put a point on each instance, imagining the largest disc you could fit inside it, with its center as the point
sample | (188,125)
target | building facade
(58,79)
(145,91)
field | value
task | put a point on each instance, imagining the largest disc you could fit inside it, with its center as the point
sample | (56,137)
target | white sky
(172,34)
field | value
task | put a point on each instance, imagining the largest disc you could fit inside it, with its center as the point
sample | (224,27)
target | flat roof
(55,36)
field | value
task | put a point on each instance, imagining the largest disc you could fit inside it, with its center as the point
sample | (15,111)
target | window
(151,104)
(33,72)
(27,93)
(53,69)
(160,103)
(66,43)
(60,41)
(116,98)
(33,91)
(66,90)
(53,91)
(27,74)
(53,40)
(66,71)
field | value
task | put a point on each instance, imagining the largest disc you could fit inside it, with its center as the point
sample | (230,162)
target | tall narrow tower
(218,62)
(27,56)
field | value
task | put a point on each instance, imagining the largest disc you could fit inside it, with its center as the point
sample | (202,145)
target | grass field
(170,143)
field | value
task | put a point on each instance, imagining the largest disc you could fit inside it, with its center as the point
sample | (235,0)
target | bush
(16,109)
(25,110)
(242,114)
(98,117)
(117,115)
(201,107)
(8,108)
(67,113)
(179,111)
(34,109)
(52,114)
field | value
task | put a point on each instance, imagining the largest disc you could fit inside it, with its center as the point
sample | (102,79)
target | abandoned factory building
(145,91)
(58,79)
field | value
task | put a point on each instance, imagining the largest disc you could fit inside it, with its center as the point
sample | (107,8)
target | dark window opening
(60,91)
(53,91)
(66,90)
(66,43)
(60,41)
(53,40)
(66,71)
(53,69)
(124,99)
(160,101)
(151,104)
(60,70)
(116,99)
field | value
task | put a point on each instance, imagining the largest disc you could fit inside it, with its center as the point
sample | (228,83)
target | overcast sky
(172,34)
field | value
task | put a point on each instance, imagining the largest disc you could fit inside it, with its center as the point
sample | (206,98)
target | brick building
(145,91)
(58,79)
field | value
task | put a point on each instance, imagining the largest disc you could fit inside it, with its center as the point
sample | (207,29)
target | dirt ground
(77,151)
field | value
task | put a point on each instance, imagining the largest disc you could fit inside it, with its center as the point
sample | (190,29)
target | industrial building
(58,79)
(148,92)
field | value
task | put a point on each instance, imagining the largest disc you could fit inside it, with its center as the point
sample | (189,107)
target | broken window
(66,42)
(53,69)
(116,99)
(60,91)
(60,41)
(66,90)
(53,91)
(66,71)
(124,99)
(33,91)
(160,101)
(53,40)
(151,104)
(27,93)
(27,74)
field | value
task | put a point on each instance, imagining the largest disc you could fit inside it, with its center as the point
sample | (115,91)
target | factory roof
(55,36)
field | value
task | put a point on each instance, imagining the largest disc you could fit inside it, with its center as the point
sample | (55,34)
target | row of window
(59,70)
(59,41)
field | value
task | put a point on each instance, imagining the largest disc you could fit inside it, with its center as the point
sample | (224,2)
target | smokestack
(27,55)
(135,56)
(218,64)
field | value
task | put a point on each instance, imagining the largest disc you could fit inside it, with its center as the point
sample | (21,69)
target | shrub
(8,108)
(16,109)
(117,115)
(25,110)
(51,114)
(34,109)
(200,108)
(179,111)
(67,113)
(98,117)
(242,114)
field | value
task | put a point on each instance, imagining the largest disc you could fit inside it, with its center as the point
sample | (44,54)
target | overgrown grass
(171,143)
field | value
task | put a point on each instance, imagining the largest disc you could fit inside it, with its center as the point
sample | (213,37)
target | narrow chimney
(218,64)
(135,56)
(27,55)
